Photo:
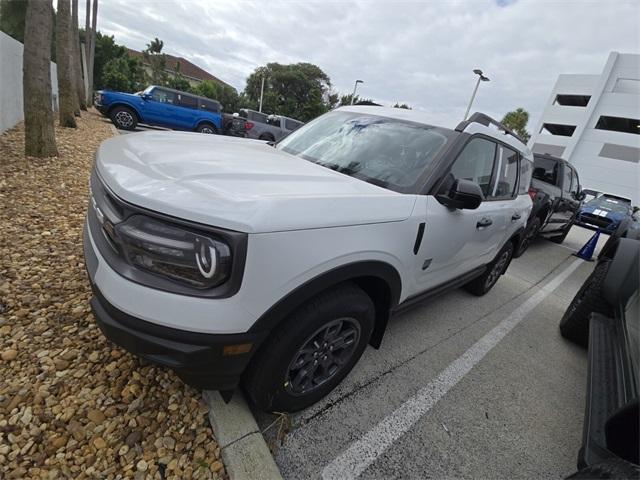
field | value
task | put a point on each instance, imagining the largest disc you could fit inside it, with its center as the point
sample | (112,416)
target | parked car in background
(278,266)
(605,212)
(604,317)
(556,194)
(160,106)
(267,127)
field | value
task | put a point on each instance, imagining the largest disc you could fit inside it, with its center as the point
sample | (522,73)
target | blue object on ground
(586,252)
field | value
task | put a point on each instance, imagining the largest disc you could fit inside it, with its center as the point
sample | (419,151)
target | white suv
(232,260)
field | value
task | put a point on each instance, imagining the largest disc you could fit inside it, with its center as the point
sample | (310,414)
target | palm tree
(39,134)
(66,86)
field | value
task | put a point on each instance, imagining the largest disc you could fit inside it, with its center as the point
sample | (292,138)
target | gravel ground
(71,403)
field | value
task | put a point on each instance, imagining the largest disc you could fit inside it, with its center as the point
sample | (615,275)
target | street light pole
(261,94)
(355,86)
(482,78)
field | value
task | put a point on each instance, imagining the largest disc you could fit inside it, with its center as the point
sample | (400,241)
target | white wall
(615,92)
(11,82)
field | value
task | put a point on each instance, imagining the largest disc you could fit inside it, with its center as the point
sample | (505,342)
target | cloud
(418,52)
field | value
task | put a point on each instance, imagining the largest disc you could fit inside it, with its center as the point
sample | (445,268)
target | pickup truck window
(507,173)
(566,184)
(291,124)
(546,170)
(475,163)
(391,153)
(163,96)
(274,121)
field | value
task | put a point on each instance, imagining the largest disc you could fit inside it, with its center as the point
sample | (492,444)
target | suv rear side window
(163,96)
(525,176)
(546,170)
(475,163)
(187,101)
(506,173)
(209,106)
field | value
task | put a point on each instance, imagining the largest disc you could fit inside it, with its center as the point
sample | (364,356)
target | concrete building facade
(593,121)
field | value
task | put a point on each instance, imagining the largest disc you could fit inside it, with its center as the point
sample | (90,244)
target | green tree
(12,17)
(298,90)
(517,121)
(402,105)
(123,74)
(224,94)
(157,61)
(178,81)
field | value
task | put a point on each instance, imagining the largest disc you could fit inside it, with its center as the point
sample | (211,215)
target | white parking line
(362,453)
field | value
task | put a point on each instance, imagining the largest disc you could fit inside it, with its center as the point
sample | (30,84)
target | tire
(266,136)
(124,118)
(485,282)
(530,234)
(574,325)
(207,128)
(560,238)
(609,469)
(274,383)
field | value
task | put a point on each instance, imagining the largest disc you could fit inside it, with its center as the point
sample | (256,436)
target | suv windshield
(390,153)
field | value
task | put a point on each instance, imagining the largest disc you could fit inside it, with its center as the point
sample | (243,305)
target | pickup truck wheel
(485,282)
(124,118)
(266,136)
(560,238)
(208,128)
(574,325)
(614,468)
(312,351)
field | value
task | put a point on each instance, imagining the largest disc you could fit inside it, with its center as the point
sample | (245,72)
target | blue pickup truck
(160,106)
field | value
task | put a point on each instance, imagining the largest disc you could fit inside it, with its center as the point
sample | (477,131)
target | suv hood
(239,184)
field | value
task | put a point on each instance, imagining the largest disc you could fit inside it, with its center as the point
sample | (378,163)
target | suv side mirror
(145,96)
(580,195)
(464,194)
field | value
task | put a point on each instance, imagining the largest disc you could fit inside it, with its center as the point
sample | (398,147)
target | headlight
(171,251)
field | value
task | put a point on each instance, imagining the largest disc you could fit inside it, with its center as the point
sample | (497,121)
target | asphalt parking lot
(462,387)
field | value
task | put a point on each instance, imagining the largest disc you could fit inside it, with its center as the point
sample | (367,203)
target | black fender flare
(369,275)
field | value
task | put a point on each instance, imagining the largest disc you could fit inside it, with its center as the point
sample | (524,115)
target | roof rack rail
(486,120)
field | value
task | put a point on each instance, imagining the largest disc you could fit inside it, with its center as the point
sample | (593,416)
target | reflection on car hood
(239,184)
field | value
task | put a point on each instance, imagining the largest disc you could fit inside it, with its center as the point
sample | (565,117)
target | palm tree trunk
(65,70)
(75,51)
(92,52)
(39,134)
(87,49)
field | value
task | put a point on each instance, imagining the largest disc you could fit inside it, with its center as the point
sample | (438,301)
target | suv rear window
(210,106)
(187,101)
(546,170)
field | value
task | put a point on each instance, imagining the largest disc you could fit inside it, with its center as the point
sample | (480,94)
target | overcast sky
(418,52)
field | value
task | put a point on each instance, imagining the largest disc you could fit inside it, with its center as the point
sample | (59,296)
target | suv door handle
(515,216)
(484,222)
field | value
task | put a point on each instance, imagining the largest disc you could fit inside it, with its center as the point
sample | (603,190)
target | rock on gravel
(73,405)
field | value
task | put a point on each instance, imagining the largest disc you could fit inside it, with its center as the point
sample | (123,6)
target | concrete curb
(244,452)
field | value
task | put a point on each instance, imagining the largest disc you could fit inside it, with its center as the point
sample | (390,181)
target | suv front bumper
(203,360)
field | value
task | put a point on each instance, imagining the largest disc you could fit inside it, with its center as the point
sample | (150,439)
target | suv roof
(546,155)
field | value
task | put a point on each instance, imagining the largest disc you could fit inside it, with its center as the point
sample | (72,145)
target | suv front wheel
(312,351)
(124,118)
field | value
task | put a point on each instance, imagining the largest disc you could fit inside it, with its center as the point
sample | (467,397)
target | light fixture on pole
(355,86)
(261,93)
(482,78)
